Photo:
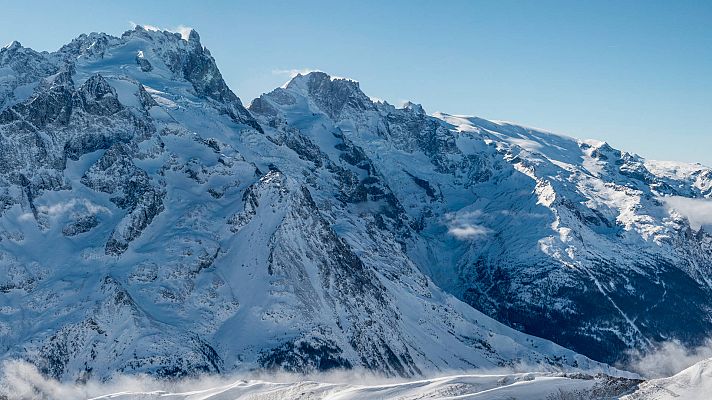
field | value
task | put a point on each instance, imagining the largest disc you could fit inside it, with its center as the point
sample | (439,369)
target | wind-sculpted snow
(151,224)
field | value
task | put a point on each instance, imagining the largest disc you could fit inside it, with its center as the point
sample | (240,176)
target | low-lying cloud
(182,29)
(293,72)
(466,225)
(697,211)
(467,231)
(667,359)
(83,205)
(58,209)
(20,380)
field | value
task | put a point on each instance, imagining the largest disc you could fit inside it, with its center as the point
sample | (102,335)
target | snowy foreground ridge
(689,385)
(152,224)
(694,383)
(528,386)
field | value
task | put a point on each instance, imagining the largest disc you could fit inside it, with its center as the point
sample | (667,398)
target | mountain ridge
(528,150)
(152,223)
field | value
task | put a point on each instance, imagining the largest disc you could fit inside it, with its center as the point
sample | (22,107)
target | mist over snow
(466,225)
(697,211)
(667,358)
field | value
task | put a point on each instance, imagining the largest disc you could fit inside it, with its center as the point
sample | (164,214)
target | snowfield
(24,381)
(484,387)
(694,383)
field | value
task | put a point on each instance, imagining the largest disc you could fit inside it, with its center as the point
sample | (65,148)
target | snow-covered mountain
(149,222)
(565,239)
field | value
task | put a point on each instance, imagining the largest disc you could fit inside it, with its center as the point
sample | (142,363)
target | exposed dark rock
(144,64)
(82,224)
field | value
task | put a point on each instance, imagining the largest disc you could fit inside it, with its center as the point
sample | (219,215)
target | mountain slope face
(150,223)
(565,239)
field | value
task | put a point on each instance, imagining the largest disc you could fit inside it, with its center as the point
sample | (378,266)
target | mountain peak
(14,45)
(181,32)
(193,36)
(314,79)
(414,107)
(331,94)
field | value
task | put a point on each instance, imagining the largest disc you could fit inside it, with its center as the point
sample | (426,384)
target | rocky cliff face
(150,223)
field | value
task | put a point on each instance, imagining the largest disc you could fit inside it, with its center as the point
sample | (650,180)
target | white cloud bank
(294,72)
(182,29)
(667,359)
(468,231)
(466,225)
(697,211)
(58,209)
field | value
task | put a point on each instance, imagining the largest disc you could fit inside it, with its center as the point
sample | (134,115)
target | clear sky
(637,74)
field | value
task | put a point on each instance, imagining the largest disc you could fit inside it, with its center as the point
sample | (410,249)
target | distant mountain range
(149,222)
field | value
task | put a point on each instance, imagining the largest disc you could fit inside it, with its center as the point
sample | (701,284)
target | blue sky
(637,74)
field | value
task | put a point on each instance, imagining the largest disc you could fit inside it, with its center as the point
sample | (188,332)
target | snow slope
(484,387)
(693,383)
(27,383)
